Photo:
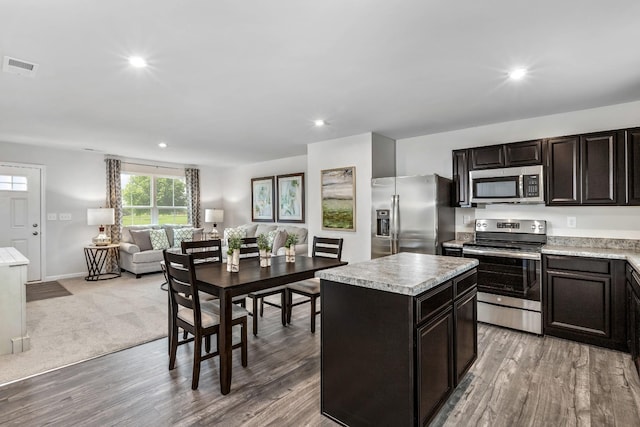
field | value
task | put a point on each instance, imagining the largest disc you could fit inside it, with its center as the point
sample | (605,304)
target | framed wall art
(262,199)
(290,197)
(338,189)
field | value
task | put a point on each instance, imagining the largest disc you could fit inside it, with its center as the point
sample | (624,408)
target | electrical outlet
(65,217)
(466,219)
(52,216)
(571,221)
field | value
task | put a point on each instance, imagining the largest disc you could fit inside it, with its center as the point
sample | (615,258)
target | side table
(96,257)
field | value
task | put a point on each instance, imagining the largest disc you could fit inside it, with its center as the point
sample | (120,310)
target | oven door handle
(504,254)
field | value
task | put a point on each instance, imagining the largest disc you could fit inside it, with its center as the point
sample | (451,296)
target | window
(150,199)
(13,183)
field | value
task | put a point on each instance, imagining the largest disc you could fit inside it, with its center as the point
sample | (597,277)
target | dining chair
(203,251)
(249,249)
(324,247)
(195,316)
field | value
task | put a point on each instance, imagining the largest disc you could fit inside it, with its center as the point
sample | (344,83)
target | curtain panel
(114,200)
(192,179)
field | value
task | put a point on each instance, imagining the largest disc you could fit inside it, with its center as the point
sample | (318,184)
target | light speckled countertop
(454,243)
(632,257)
(404,273)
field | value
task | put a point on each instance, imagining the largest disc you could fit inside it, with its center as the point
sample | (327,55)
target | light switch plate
(52,216)
(65,217)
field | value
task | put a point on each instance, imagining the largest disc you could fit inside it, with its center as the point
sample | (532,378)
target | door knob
(35,225)
(35,233)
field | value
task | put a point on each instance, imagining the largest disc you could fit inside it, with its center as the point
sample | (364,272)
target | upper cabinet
(563,185)
(487,157)
(632,166)
(460,178)
(585,170)
(600,168)
(525,153)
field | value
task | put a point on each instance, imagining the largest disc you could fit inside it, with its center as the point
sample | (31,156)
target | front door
(20,213)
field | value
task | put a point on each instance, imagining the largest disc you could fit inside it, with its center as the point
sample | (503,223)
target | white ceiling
(234,81)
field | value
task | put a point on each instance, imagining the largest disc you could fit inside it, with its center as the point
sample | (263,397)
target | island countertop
(404,273)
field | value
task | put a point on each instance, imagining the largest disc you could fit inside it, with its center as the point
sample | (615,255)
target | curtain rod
(147,164)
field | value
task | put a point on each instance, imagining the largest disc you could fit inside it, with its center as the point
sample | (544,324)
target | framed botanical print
(338,189)
(290,197)
(262,199)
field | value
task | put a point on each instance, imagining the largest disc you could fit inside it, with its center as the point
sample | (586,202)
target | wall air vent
(18,66)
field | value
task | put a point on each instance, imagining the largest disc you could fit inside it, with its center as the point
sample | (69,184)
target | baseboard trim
(65,276)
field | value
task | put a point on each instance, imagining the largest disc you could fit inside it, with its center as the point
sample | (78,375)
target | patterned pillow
(159,239)
(234,232)
(271,235)
(182,235)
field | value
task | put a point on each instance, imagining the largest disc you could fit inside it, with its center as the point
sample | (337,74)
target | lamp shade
(213,215)
(101,216)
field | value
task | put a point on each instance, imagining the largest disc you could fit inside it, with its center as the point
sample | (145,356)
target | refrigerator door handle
(395,225)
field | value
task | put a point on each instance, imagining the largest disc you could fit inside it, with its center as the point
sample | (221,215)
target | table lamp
(101,217)
(214,216)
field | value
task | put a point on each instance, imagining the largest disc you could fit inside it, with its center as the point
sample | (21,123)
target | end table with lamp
(213,216)
(97,254)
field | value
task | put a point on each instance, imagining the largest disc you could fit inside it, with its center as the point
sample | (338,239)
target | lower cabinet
(584,300)
(392,359)
(435,353)
(633,315)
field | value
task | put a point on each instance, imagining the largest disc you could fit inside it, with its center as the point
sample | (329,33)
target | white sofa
(254,230)
(137,260)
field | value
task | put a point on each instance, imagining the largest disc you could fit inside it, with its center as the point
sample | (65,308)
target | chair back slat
(204,251)
(183,287)
(249,247)
(326,247)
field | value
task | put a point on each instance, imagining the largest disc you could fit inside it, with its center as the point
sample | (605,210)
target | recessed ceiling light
(162,145)
(137,61)
(319,123)
(517,73)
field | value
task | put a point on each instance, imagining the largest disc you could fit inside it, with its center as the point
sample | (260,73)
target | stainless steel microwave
(507,185)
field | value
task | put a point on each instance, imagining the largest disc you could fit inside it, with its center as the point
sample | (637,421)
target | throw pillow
(159,239)
(182,235)
(234,232)
(270,236)
(141,239)
(278,241)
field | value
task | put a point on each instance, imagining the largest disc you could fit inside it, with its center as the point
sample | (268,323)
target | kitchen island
(398,335)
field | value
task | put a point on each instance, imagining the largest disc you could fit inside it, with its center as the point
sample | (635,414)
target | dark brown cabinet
(525,153)
(585,169)
(633,315)
(396,359)
(584,300)
(488,157)
(563,184)
(435,365)
(632,166)
(448,251)
(461,178)
(466,319)
(599,169)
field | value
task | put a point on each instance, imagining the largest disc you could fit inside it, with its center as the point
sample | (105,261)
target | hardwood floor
(518,379)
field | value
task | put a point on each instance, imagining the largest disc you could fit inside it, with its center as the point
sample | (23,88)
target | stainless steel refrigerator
(411,214)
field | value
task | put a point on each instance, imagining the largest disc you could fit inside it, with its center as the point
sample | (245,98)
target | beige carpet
(99,318)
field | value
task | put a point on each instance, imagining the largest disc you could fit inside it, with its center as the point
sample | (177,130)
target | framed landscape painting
(291,197)
(339,198)
(262,199)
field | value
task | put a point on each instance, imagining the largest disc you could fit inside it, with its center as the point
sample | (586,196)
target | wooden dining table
(216,280)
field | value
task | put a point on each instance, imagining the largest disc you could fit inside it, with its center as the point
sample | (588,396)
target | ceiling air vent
(18,66)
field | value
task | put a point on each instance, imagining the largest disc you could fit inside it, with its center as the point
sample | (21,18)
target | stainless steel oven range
(509,273)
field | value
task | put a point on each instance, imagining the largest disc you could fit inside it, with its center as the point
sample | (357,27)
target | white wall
(74,181)
(236,187)
(349,151)
(432,154)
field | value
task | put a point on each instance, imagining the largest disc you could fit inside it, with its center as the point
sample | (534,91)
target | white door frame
(43,223)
